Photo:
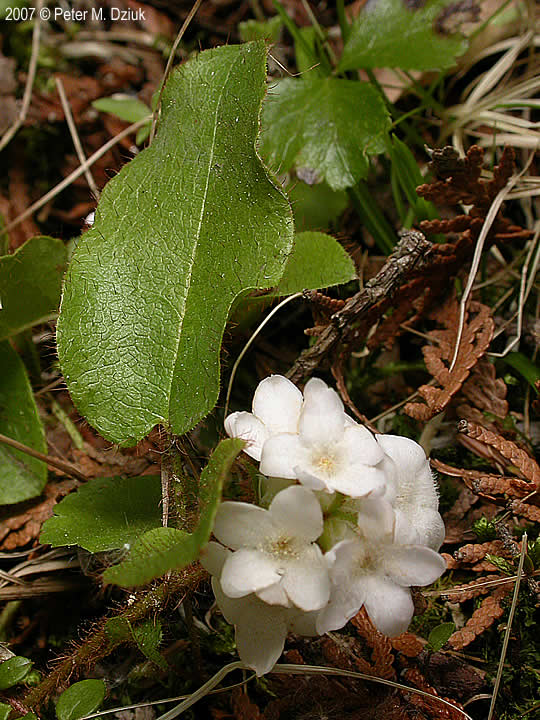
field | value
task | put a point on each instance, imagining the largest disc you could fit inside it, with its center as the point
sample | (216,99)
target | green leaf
(193,221)
(147,636)
(400,33)
(5,710)
(325,125)
(439,635)
(261,30)
(21,476)
(34,272)
(501,564)
(80,699)
(316,207)
(484,529)
(166,548)
(106,514)
(524,366)
(125,107)
(409,177)
(14,670)
(317,261)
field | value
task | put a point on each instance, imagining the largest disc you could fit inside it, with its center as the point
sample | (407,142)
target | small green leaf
(316,207)
(261,30)
(5,710)
(534,553)
(484,529)
(524,366)
(80,699)
(439,635)
(21,476)
(105,514)
(398,33)
(147,636)
(166,548)
(13,671)
(188,225)
(317,261)
(501,564)
(125,107)
(327,126)
(30,284)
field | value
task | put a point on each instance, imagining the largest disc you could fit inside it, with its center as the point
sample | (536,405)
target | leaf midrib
(197,238)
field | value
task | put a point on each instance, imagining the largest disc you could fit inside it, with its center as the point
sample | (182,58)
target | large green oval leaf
(21,476)
(405,34)
(30,284)
(189,224)
(105,513)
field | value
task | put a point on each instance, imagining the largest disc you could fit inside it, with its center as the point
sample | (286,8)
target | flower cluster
(346,519)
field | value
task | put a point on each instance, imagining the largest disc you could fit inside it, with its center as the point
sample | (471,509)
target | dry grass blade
(508,626)
(75,136)
(36,35)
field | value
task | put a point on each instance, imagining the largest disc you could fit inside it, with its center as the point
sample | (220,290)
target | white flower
(329,452)
(376,569)
(416,496)
(260,629)
(276,409)
(275,556)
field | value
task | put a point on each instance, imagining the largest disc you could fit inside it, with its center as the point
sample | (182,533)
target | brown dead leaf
(21,523)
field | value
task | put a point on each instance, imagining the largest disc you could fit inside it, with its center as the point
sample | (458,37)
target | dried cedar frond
(481,619)
(468,591)
(476,336)
(381,646)
(435,708)
(408,644)
(474,552)
(459,182)
(486,394)
(527,465)
(486,484)
(530,512)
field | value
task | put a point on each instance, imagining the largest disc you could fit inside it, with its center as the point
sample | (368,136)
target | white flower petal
(427,523)
(240,524)
(260,629)
(389,606)
(347,592)
(213,557)
(280,455)
(247,427)
(376,519)
(302,623)
(322,420)
(358,480)
(361,446)
(278,402)
(298,512)
(261,642)
(274,595)
(415,483)
(247,571)
(307,583)
(310,481)
(409,565)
